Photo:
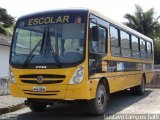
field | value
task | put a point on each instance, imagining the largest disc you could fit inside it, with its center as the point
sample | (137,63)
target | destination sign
(50,19)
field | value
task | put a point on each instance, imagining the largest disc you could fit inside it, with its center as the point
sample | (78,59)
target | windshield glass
(49,40)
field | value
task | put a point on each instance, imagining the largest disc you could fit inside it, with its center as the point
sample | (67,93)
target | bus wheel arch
(140,89)
(104,81)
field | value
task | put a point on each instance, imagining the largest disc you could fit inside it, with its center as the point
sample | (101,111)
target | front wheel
(37,107)
(98,105)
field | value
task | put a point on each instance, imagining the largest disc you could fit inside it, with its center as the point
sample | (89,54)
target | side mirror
(95,33)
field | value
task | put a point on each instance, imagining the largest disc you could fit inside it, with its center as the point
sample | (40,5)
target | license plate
(39,89)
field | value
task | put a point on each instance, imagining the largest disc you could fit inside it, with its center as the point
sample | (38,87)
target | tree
(147,24)
(6,21)
(143,22)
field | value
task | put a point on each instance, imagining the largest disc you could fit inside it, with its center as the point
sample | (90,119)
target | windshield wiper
(45,45)
(31,54)
(56,58)
(48,45)
(29,58)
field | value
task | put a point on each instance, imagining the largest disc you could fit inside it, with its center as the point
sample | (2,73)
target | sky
(114,9)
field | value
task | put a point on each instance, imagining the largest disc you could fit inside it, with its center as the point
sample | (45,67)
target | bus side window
(114,39)
(125,44)
(143,49)
(149,51)
(135,47)
(102,41)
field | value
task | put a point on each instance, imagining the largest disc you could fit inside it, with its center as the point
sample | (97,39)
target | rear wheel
(140,89)
(37,107)
(98,105)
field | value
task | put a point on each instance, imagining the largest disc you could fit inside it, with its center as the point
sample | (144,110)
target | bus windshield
(52,43)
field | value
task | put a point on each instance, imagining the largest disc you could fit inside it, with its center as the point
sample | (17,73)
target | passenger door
(97,49)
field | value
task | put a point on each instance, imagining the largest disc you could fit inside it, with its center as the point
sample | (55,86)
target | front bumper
(59,92)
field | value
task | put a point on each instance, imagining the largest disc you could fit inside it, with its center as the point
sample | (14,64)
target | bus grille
(44,82)
(43,75)
(47,78)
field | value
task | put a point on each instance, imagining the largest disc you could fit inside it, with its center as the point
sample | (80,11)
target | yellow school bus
(77,55)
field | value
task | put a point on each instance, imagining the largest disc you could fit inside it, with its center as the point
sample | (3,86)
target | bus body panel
(26,91)
(149,76)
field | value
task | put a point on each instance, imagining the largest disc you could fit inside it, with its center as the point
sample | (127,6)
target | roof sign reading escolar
(51,19)
(48,20)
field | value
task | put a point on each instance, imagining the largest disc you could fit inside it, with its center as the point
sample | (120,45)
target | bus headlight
(11,77)
(78,76)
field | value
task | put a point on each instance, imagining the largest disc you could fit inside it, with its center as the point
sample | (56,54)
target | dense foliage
(6,21)
(146,23)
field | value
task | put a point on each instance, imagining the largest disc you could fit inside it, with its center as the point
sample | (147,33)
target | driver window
(98,46)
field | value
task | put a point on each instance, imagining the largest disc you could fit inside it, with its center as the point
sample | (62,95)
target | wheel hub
(101,99)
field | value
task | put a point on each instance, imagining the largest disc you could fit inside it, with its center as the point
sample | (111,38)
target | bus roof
(120,25)
(55,11)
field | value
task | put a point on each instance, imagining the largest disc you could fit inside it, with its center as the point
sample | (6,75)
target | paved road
(119,103)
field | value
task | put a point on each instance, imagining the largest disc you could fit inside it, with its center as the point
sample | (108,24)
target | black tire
(37,107)
(97,106)
(140,89)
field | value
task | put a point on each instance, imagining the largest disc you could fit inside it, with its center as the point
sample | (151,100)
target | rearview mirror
(95,33)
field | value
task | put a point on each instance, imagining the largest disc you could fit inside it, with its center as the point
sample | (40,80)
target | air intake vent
(43,75)
(45,78)
(29,92)
(44,82)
